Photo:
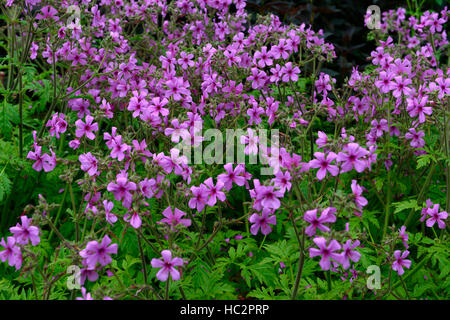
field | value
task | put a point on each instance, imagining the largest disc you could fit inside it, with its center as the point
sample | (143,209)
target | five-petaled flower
(167,265)
(98,252)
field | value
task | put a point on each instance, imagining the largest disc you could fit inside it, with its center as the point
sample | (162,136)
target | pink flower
(379,127)
(88,163)
(425,210)
(200,198)
(282,181)
(442,85)
(214,192)
(322,140)
(98,252)
(48,12)
(385,83)
(418,107)
(322,162)
(251,142)
(86,295)
(137,102)
(268,196)
(349,254)
(186,60)
(357,193)
(88,273)
(33,51)
(263,57)
(135,220)
(12,253)
(86,128)
(436,216)
(110,217)
(327,216)
(400,261)
(352,157)
(232,176)
(262,221)
(176,88)
(44,161)
(327,252)
(173,218)
(404,236)
(168,266)
(57,125)
(416,138)
(289,73)
(25,232)
(122,188)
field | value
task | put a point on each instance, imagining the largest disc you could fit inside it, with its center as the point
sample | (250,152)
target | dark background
(341,21)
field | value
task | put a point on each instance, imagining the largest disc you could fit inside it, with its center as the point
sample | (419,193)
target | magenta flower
(379,127)
(138,102)
(12,253)
(232,176)
(436,216)
(327,216)
(327,252)
(173,218)
(98,252)
(425,210)
(416,107)
(404,236)
(351,157)
(25,232)
(86,295)
(43,161)
(200,198)
(262,221)
(322,140)
(385,83)
(416,138)
(121,189)
(186,60)
(263,57)
(251,142)
(176,88)
(90,273)
(157,107)
(110,217)
(289,73)
(88,163)
(86,128)
(282,181)
(133,219)
(400,261)
(442,85)
(214,192)
(48,12)
(349,254)
(322,162)
(168,266)
(400,86)
(357,193)
(268,196)
(57,125)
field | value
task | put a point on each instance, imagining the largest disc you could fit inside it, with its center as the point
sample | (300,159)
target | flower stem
(167,289)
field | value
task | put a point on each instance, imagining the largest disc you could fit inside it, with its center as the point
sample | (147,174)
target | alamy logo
(74,278)
(374,281)
(74,19)
(373,17)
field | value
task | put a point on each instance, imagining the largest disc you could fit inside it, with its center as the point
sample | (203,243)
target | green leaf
(5,185)
(407,204)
